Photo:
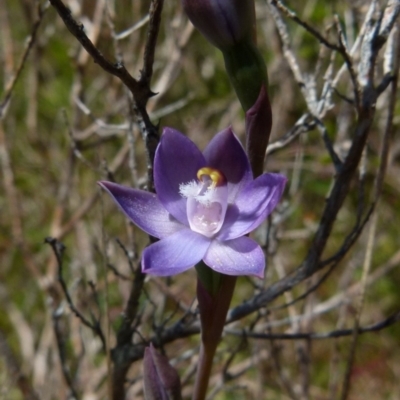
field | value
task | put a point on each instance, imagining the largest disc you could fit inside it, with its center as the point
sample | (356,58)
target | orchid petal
(241,256)
(226,154)
(176,162)
(254,203)
(175,253)
(144,209)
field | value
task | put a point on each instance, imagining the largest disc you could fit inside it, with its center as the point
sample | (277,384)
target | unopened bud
(223,22)
(161,381)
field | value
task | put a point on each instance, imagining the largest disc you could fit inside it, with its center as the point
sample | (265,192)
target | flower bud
(223,22)
(161,381)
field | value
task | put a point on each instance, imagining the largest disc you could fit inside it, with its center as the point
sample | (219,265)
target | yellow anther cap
(217,177)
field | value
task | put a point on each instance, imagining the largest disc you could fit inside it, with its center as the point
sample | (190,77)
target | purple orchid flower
(206,204)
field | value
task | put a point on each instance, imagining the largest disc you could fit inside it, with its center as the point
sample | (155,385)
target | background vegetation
(65,123)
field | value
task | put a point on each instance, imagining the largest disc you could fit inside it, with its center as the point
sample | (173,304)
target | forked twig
(58,250)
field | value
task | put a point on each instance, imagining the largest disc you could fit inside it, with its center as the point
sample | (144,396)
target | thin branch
(124,337)
(116,69)
(348,61)
(140,89)
(390,15)
(394,64)
(32,38)
(292,15)
(61,347)
(154,25)
(337,163)
(58,250)
(393,319)
(117,273)
(360,305)
(303,125)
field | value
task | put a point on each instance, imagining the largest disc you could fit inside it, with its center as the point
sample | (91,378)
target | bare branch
(292,15)
(61,347)
(154,25)
(393,319)
(140,89)
(58,249)
(303,125)
(31,41)
(117,69)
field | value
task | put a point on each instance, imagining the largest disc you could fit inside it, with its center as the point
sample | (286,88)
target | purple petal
(241,256)
(226,154)
(144,209)
(175,253)
(177,161)
(256,201)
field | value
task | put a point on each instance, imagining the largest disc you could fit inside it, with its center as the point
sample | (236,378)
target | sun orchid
(206,204)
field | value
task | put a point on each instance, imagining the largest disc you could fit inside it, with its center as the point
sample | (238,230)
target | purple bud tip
(161,381)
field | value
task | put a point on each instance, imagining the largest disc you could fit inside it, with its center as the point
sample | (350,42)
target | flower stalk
(213,309)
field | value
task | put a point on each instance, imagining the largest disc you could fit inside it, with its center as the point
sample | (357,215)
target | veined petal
(254,203)
(175,253)
(241,256)
(177,161)
(226,154)
(144,209)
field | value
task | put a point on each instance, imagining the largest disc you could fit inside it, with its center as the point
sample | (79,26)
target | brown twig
(60,335)
(139,88)
(389,321)
(58,250)
(116,69)
(31,41)
(292,15)
(124,337)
